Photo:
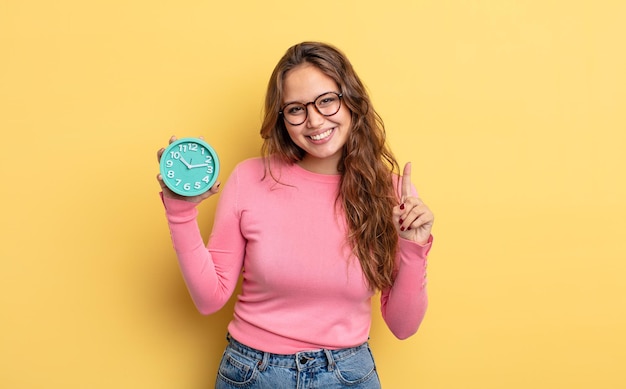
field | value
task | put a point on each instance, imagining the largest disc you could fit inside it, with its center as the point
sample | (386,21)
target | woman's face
(321,137)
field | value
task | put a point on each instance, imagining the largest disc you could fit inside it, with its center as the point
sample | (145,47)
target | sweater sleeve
(210,272)
(404,304)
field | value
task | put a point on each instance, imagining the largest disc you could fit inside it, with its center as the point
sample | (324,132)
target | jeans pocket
(357,368)
(236,369)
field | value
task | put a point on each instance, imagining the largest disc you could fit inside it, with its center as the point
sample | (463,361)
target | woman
(317,226)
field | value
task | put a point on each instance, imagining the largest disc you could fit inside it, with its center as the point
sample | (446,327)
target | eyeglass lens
(326,104)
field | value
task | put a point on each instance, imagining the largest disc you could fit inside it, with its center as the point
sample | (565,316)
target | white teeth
(322,135)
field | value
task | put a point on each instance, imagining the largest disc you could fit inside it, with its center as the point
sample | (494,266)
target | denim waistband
(300,361)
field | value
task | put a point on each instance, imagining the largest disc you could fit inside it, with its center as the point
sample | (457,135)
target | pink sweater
(302,287)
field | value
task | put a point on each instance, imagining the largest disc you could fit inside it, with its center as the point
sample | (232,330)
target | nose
(314,118)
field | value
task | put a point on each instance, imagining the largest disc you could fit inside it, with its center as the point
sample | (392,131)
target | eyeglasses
(327,104)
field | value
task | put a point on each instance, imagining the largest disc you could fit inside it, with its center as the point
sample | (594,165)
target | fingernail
(408,228)
(401,221)
(401,228)
(402,206)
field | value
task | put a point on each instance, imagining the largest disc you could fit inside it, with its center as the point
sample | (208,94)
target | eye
(294,109)
(326,100)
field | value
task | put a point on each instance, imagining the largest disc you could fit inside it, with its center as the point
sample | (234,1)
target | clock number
(175,154)
(209,170)
(206,179)
(170,174)
(183,148)
(169,163)
(197,185)
(209,159)
(187,186)
(178,181)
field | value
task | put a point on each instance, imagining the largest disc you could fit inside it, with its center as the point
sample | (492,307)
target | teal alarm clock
(189,166)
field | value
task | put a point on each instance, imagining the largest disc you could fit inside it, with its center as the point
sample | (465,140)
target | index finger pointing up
(406,181)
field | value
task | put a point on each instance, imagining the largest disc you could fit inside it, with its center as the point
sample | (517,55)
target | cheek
(292,132)
(345,116)
(349,120)
(294,135)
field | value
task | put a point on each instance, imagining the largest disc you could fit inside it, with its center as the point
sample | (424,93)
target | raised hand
(168,193)
(413,218)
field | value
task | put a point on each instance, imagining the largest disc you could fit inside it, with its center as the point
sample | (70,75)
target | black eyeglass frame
(306,107)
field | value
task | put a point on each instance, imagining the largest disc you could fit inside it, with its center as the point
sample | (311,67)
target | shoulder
(250,164)
(253,177)
(259,168)
(248,170)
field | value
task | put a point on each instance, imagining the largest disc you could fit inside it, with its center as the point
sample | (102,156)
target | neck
(320,165)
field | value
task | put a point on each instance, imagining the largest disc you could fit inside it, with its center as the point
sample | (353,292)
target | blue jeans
(245,367)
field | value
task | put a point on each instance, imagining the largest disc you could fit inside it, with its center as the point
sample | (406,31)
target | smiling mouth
(321,136)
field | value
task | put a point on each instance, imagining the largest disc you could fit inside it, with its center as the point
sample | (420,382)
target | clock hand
(195,166)
(185,163)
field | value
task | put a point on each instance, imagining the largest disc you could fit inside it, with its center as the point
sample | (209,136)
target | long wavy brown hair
(367,191)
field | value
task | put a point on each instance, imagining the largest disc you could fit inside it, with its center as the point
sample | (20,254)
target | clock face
(189,166)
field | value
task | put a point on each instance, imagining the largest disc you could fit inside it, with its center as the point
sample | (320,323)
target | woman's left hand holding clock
(168,193)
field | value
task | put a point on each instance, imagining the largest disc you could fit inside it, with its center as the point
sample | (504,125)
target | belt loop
(264,361)
(331,360)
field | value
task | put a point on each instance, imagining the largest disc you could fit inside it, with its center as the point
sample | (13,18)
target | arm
(210,273)
(403,305)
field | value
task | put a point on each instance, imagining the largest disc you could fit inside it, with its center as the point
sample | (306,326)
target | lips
(322,136)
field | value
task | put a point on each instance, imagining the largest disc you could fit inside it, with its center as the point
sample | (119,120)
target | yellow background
(513,113)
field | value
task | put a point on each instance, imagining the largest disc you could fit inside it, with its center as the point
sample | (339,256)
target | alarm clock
(189,166)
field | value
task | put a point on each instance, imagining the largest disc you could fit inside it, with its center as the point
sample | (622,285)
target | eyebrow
(312,101)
